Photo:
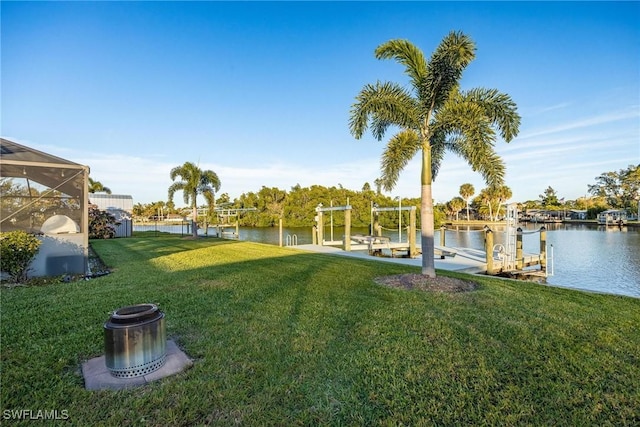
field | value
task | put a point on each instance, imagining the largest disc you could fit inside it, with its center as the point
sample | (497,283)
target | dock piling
(519,255)
(412,232)
(488,247)
(347,230)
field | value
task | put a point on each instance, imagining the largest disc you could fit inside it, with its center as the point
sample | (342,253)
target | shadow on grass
(283,336)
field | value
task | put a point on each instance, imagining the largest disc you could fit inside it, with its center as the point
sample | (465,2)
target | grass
(283,337)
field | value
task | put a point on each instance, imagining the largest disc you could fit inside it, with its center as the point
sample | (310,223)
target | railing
(291,240)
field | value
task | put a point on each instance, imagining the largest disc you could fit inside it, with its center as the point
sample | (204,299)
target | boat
(613,217)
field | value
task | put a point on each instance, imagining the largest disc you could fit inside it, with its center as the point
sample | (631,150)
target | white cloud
(631,113)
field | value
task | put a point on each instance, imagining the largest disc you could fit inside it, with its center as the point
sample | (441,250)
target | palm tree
(434,116)
(456,204)
(194,181)
(378,183)
(97,187)
(502,193)
(466,192)
(486,200)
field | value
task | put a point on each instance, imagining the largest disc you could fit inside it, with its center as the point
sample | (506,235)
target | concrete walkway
(464,261)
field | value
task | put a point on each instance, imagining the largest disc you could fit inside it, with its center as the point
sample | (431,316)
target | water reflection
(591,257)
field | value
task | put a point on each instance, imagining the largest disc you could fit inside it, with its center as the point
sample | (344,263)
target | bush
(102,225)
(17,249)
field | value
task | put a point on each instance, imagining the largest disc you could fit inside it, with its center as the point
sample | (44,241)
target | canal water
(585,256)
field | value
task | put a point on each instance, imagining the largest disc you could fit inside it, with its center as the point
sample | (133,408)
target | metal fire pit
(135,341)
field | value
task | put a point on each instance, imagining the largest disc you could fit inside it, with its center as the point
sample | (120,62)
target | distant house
(576,214)
(118,205)
(174,218)
(112,201)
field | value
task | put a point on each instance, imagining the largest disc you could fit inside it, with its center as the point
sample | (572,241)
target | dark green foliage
(297,207)
(620,189)
(102,225)
(17,249)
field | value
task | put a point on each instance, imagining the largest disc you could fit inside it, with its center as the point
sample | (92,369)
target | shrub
(17,249)
(102,225)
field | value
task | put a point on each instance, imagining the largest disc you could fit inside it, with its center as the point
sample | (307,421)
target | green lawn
(283,337)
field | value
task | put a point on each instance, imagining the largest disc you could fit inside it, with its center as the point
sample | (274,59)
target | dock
(461,262)
(505,260)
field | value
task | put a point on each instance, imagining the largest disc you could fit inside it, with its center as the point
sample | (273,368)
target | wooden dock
(506,260)
(375,245)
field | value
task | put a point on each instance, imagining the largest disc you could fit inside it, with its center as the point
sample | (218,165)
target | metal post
(377,231)
(543,248)
(331,214)
(347,229)
(371,223)
(320,228)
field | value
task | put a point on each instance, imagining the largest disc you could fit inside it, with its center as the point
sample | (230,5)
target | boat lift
(509,259)
(228,218)
(374,243)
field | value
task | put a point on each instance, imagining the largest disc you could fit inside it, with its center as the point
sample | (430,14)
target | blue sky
(260,92)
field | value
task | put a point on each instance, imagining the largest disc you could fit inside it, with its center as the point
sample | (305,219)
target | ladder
(511,236)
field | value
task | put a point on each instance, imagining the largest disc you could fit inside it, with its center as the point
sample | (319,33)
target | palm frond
(471,136)
(208,194)
(402,147)
(385,104)
(210,178)
(408,55)
(438,150)
(444,70)
(173,188)
(498,107)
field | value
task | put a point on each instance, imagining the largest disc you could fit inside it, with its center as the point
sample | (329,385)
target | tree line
(296,207)
(611,190)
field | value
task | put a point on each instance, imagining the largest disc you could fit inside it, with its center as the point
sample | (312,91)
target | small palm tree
(194,181)
(456,204)
(502,193)
(434,116)
(486,200)
(97,187)
(466,192)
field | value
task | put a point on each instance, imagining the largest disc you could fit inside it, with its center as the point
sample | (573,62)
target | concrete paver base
(97,376)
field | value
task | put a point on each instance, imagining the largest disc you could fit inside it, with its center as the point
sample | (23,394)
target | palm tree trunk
(427,239)
(427,232)
(467,210)
(194,222)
